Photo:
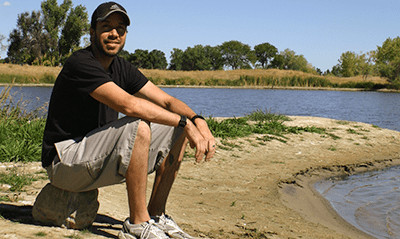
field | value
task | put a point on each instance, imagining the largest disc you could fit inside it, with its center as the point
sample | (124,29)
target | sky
(320,30)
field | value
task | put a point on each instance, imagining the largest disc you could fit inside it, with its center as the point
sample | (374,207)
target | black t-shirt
(72,111)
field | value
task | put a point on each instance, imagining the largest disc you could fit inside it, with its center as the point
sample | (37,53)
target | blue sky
(321,30)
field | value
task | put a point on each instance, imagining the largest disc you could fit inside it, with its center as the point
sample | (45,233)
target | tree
(278,62)
(352,64)
(215,57)
(54,17)
(157,60)
(264,53)
(337,70)
(388,59)
(236,54)
(365,66)
(349,63)
(176,59)
(75,25)
(49,36)
(288,60)
(27,41)
(140,58)
(145,59)
(195,59)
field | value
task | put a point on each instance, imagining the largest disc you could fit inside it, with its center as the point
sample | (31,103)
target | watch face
(182,122)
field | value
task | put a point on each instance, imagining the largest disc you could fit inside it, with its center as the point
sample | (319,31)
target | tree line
(229,55)
(384,62)
(50,35)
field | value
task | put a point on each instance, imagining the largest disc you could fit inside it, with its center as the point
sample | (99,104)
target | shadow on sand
(23,214)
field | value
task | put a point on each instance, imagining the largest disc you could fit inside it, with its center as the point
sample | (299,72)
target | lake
(369,201)
(381,109)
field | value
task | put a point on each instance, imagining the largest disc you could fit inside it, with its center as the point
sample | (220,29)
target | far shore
(230,87)
(251,189)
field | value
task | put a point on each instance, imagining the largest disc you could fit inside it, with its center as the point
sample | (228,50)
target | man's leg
(165,176)
(136,175)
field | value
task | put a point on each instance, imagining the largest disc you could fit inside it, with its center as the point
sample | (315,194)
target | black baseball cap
(105,9)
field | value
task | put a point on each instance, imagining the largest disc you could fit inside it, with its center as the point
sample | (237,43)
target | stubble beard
(102,51)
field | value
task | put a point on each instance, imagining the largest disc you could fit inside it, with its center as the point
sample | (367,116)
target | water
(381,109)
(369,201)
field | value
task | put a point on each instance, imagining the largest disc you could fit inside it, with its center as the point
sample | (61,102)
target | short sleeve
(127,76)
(84,73)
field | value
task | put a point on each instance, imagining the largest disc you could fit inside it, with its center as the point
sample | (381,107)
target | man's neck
(104,60)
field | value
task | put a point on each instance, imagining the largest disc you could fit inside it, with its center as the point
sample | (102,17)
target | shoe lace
(149,229)
(173,226)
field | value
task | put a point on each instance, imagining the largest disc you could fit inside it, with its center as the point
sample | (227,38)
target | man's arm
(155,109)
(161,98)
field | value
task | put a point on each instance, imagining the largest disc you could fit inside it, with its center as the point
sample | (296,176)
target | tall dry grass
(236,74)
(38,72)
(28,70)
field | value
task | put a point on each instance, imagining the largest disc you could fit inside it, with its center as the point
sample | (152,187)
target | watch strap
(196,117)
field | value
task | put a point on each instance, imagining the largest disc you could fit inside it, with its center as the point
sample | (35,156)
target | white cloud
(6,4)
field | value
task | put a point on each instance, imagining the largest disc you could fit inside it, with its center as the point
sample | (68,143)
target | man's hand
(202,128)
(197,140)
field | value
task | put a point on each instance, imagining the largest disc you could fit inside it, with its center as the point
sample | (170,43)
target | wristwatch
(183,121)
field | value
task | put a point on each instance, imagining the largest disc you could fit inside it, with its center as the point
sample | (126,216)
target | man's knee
(143,132)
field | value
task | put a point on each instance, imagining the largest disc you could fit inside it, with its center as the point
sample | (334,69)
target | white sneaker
(145,230)
(169,226)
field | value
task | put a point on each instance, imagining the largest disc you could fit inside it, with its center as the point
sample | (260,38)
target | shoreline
(302,196)
(230,87)
(251,189)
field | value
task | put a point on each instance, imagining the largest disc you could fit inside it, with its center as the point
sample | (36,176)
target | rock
(76,210)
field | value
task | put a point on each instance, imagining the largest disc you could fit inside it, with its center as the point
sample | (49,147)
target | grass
(259,122)
(20,132)
(16,180)
(40,234)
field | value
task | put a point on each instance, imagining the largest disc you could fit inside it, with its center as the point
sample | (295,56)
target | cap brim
(116,10)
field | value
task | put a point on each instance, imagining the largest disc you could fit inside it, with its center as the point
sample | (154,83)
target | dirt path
(251,188)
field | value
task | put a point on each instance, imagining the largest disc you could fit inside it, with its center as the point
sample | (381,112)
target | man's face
(110,34)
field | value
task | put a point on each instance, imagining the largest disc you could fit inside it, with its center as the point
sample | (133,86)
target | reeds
(252,77)
(271,82)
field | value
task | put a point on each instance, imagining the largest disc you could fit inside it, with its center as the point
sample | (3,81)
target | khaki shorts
(101,158)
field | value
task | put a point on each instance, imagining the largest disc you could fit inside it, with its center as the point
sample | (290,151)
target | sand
(251,189)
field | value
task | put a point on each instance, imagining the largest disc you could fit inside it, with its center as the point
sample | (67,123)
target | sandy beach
(251,189)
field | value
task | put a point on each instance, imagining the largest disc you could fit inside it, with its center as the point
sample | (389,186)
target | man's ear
(92,32)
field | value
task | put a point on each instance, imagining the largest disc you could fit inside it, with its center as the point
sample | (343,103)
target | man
(86,146)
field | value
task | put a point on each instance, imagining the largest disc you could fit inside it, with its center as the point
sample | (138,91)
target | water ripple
(370,201)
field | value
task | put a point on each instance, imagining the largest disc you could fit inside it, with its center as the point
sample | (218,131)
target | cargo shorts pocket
(70,177)
(95,167)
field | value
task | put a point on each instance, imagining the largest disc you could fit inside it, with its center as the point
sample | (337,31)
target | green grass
(16,180)
(40,234)
(259,122)
(21,132)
